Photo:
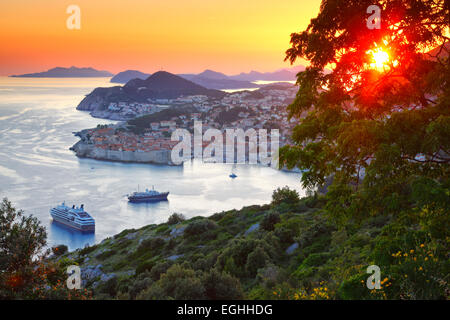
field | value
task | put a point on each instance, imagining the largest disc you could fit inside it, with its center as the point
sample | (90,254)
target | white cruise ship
(73,217)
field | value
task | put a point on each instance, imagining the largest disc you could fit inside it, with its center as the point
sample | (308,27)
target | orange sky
(179,36)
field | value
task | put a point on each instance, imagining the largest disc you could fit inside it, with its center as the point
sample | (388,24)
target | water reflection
(62,234)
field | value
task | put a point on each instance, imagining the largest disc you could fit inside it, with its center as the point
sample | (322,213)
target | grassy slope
(329,262)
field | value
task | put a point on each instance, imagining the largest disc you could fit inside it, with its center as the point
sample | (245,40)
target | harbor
(38,171)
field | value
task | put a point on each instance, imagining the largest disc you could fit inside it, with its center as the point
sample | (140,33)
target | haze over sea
(38,171)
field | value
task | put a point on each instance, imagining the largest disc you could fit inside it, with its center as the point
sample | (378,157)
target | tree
(378,119)
(176,218)
(269,221)
(181,283)
(285,195)
(22,240)
(25,271)
(256,260)
(221,286)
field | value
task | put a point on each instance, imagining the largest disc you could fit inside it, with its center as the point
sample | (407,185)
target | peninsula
(150,94)
(147,137)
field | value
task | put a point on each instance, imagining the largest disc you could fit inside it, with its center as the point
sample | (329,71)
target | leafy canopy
(373,106)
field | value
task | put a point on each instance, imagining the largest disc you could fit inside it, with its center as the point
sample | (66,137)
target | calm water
(38,171)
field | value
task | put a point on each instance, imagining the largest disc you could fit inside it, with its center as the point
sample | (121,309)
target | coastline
(85,150)
(159,157)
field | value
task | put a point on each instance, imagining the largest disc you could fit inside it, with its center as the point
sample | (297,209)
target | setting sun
(380,59)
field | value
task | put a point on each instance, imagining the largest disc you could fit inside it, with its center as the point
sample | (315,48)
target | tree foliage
(382,131)
(285,195)
(22,239)
(25,270)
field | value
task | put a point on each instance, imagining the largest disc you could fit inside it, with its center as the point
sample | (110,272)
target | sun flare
(380,59)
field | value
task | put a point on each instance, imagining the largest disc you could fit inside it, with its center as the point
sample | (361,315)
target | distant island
(211,79)
(208,79)
(216,80)
(127,75)
(72,72)
(279,75)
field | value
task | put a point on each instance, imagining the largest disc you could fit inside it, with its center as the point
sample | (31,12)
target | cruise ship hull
(73,225)
(155,198)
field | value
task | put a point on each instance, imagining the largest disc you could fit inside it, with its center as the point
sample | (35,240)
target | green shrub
(286,235)
(175,218)
(142,282)
(269,221)
(152,245)
(109,287)
(316,259)
(285,195)
(221,286)
(162,228)
(123,244)
(199,227)
(154,292)
(145,266)
(354,288)
(124,233)
(256,260)
(160,268)
(86,250)
(106,254)
(181,283)
(60,250)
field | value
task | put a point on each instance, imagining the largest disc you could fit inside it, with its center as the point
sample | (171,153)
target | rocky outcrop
(177,231)
(100,98)
(252,228)
(85,150)
(290,250)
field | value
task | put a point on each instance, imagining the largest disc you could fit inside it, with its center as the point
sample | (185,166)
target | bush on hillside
(176,218)
(285,195)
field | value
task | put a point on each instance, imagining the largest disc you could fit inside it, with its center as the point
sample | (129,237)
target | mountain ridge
(211,79)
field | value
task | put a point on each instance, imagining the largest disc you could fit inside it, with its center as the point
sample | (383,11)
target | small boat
(74,217)
(232,176)
(148,196)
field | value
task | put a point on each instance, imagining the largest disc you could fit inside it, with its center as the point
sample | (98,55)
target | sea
(38,117)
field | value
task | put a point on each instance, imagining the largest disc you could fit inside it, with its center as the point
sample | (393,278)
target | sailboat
(233,175)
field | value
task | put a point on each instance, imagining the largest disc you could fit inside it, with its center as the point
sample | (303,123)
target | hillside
(290,249)
(139,124)
(72,72)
